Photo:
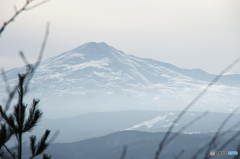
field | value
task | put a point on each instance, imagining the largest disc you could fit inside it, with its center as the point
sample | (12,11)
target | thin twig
(43,44)
(191,104)
(9,151)
(36,5)
(15,15)
(17,12)
(24,60)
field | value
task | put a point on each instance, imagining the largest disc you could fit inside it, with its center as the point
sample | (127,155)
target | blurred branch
(17,12)
(229,141)
(162,143)
(230,129)
(226,144)
(28,74)
(179,155)
(185,127)
(217,135)
(210,145)
(54,136)
(31,68)
(24,59)
(10,93)
(4,77)
(124,152)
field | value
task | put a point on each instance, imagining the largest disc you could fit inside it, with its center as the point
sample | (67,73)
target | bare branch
(14,16)
(43,44)
(24,59)
(17,12)
(191,104)
(9,151)
(36,5)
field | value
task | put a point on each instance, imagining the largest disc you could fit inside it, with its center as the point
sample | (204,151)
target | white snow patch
(149,123)
(192,132)
(99,64)
(56,75)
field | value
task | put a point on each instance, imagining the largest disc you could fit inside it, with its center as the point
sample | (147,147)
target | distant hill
(91,125)
(140,145)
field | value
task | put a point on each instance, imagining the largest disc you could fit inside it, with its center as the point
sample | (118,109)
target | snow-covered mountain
(98,77)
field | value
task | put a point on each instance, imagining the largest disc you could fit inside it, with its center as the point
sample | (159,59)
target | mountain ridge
(98,77)
(141,145)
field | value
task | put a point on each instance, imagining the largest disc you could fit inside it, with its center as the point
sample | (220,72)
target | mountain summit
(98,77)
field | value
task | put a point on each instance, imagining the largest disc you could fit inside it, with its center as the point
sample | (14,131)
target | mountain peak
(95,44)
(93,49)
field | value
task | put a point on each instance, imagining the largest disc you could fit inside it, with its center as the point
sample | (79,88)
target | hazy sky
(201,34)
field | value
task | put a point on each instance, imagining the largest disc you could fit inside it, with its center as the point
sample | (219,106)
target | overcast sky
(189,34)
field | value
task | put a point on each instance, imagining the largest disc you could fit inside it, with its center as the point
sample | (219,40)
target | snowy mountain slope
(163,120)
(97,77)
